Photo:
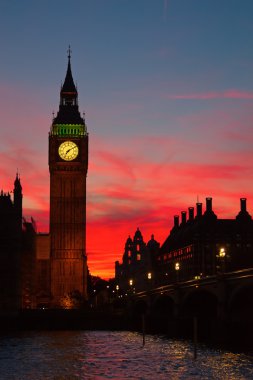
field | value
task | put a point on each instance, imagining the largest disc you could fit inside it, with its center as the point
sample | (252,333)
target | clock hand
(73,147)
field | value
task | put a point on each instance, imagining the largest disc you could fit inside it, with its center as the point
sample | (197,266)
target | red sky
(167,88)
(142,179)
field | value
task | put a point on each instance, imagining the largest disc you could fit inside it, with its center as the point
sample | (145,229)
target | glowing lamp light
(222,252)
(177,266)
(131,282)
(117,287)
(149,275)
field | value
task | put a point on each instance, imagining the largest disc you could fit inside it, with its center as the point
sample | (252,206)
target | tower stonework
(68,164)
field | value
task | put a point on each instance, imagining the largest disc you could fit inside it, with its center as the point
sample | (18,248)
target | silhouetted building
(199,245)
(136,269)
(68,164)
(43,271)
(17,253)
(28,264)
(203,245)
(10,248)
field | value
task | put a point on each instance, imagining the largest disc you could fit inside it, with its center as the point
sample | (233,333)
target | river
(97,355)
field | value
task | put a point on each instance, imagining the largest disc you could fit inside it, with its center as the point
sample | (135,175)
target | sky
(167,89)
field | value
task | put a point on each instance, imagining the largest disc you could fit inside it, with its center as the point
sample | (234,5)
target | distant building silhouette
(43,271)
(17,253)
(137,263)
(202,244)
(197,246)
(28,265)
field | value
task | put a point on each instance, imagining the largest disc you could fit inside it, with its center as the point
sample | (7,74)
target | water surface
(97,355)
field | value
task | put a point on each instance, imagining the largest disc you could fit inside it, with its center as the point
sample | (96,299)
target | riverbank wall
(237,335)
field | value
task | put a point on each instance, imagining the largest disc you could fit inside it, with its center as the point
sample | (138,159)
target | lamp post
(149,278)
(222,252)
(177,268)
(131,282)
(95,298)
(222,255)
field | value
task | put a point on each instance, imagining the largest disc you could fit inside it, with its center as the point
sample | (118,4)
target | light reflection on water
(97,355)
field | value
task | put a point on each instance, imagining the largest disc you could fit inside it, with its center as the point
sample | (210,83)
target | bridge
(222,303)
(203,270)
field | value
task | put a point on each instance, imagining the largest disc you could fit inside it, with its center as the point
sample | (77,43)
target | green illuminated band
(68,130)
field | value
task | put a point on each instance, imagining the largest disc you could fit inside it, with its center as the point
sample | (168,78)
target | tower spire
(68,111)
(69,53)
(18,199)
(69,85)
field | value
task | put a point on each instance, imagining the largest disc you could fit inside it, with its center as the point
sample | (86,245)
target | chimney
(183,215)
(243,204)
(176,220)
(199,209)
(208,204)
(191,213)
(243,215)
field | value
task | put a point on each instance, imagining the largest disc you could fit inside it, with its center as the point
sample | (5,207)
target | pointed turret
(18,197)
(68,85)
(17,184)
(138,236)
(129,241)
(68,113)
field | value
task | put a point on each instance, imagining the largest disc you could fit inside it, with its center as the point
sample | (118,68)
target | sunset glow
(168,100)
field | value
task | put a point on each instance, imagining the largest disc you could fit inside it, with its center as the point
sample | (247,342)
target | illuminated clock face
(68,150)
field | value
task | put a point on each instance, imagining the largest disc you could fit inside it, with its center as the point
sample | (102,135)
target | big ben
(68,164)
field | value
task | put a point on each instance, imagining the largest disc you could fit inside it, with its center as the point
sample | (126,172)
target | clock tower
(68,164)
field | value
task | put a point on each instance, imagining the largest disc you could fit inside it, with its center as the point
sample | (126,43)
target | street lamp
(177,268)
(222,255)
(149,278)
(131,282)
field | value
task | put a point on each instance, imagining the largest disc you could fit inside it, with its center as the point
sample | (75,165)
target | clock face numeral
(68,150)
